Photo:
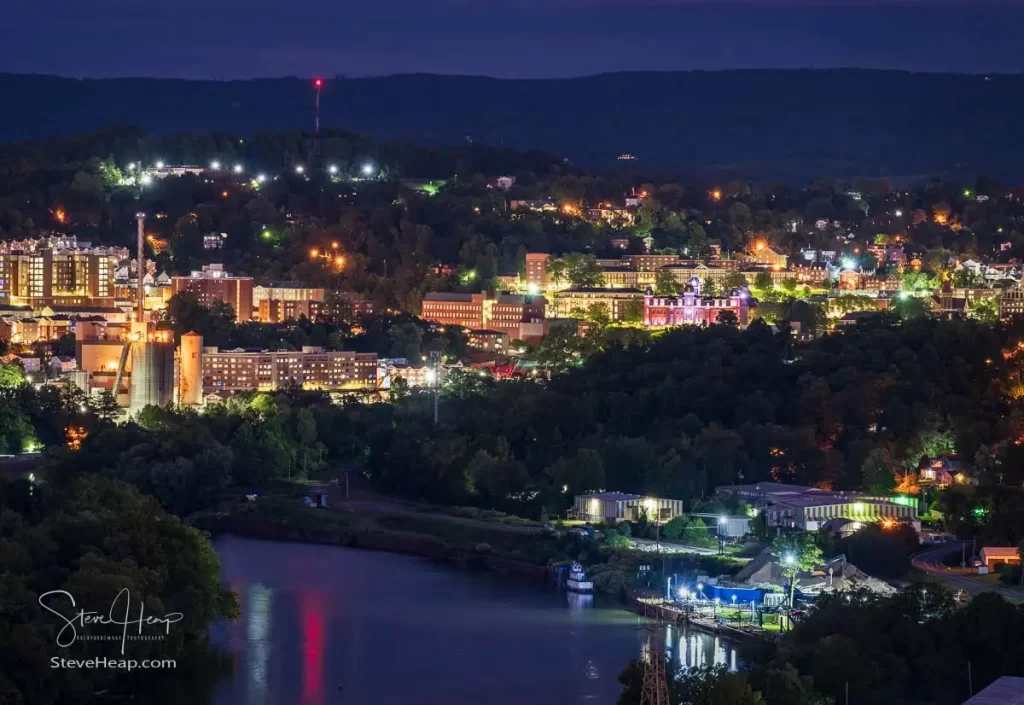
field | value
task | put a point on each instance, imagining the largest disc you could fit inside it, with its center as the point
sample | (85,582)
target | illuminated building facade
(57,271)
(513,314)
(537,271)
(279,311)
(213,284)
(287,291)
(690,308)
(613,507)
(313,368)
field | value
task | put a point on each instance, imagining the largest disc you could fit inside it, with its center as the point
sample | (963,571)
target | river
(326,625)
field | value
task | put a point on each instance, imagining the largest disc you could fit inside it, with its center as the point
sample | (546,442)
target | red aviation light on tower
(318,83)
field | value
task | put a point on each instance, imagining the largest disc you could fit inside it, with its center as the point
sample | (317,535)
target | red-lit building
(690,308)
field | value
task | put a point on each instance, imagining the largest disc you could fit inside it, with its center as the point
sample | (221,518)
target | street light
(299,168)
(260,178)
(899,213)
(215,165)
(146,180)
(431,376)
(367,169)
(238,168)
(788,559)
(159,164)
(332,169)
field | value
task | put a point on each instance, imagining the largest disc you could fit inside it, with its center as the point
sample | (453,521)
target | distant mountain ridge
(772,124)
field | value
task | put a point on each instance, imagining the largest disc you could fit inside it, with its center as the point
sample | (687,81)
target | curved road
(930,561)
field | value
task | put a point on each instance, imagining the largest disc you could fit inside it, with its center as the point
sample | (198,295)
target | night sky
(516,38)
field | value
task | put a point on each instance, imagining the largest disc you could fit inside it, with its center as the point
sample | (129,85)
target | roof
(448,296)
(600,290)
(769,488)
(288,285)
(1000,551)
(1008,690)
(611,496)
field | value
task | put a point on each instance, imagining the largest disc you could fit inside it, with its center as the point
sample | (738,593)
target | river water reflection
(325,625)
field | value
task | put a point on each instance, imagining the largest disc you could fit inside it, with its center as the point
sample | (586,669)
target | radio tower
(318,83)
(655,690)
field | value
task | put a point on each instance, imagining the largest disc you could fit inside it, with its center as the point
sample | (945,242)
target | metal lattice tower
(655,690)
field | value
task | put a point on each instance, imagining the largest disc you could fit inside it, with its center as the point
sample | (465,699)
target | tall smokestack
(141,218)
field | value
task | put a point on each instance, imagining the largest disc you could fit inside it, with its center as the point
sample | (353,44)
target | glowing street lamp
(159,164)
(260,178)
(899,213)
(238,168)
(146,180)
(299,168)
(431,376)
(314,253)
(367,169)
(788,559)
(332,169)
(215,165)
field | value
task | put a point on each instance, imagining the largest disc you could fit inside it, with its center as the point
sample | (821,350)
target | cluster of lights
(328,256)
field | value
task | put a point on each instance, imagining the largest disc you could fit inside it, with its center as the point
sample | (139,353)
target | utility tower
(655,690)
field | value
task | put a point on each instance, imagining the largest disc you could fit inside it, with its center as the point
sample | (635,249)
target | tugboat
(577,580)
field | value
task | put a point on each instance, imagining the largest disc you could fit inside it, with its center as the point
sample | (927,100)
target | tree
(598,314)
(878,471)
(796,553)
(631,311)
(709,287)
(582,270)
(734,280)
(665,283)
(763,281)
(727,318)
(106,406)
(985,309)
(11,375)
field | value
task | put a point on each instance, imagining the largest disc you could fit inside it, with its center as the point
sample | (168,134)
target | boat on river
(577,580)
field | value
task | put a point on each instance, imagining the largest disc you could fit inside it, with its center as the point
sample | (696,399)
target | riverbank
(480,557)
(464,538)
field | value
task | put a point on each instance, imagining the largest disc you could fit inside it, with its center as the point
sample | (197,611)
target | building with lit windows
(690,308)
(57,271)
(572,303)
(488,340)
(262,370)
(537,271)
(1011,303)
(278,311)
(287,291)
(808,508)
(613,507)
(213,284)
(513,314)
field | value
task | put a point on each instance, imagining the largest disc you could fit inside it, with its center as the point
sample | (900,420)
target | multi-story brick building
(279,311)
(690,308)
(537,272)
(1011,303)
(57,271)
(286,291)
(513,314)
(213,284)
(312,368)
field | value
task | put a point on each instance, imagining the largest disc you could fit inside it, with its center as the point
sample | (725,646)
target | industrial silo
(190,381)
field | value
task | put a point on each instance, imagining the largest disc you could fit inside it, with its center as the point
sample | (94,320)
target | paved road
(930,561)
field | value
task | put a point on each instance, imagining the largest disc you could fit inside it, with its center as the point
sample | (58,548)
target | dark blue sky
(513,38)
